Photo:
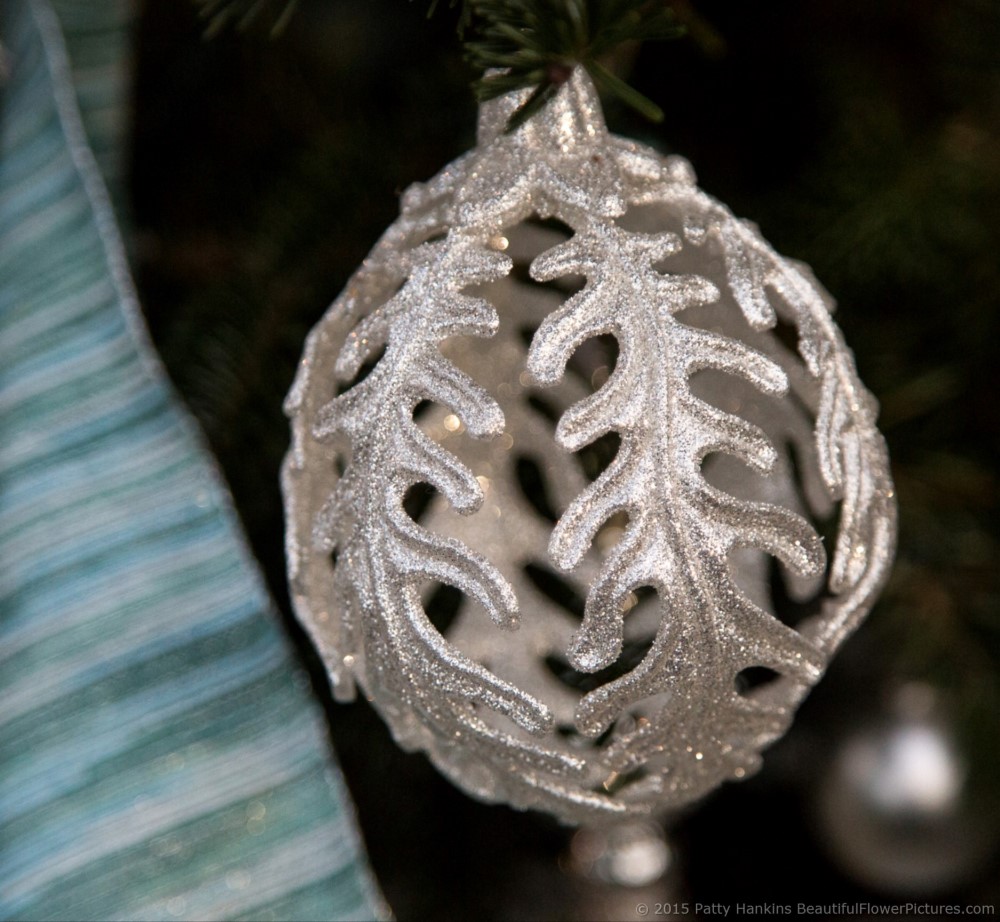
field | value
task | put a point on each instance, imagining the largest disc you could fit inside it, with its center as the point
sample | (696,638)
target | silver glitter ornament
(444,362)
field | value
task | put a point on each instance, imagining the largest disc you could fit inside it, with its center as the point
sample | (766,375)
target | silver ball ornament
(457,357)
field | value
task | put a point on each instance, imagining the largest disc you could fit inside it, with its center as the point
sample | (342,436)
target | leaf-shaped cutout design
(696,292)
(680,540)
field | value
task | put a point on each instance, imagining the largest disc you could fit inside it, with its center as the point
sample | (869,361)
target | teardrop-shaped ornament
(561,453)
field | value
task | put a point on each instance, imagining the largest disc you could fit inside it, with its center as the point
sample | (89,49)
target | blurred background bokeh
(863,138)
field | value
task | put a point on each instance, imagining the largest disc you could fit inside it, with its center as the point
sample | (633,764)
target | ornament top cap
(573,116)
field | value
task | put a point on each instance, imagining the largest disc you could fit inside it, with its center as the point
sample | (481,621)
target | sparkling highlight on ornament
(592,605)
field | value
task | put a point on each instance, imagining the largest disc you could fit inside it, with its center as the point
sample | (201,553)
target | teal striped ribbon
(161,756)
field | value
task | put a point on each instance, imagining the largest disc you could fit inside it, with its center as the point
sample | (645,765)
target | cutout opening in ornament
(421,410)
(788,335)
(645,593)
(527,240)
(812,494)
(771,585)
(733,475)
(565,286)
(749,569)
(597,456)
(795,600)
(534,485)
(440,424)
(649,219)
(550,223)
(781,421)
(533,236)
(417,499)
(732,393)
(610,533)
(594,360)
(755,678)
(442,604)
(544,407)
(556,588)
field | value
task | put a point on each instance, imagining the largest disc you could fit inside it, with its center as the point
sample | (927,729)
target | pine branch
(536,44)
(221,14)
(520,44)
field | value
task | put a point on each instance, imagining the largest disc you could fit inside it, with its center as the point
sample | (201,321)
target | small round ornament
(895,805)
(560,453)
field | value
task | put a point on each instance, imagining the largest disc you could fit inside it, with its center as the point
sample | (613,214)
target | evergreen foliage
(536,44)
(521,44)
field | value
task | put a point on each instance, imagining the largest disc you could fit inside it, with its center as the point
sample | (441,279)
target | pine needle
(536,44)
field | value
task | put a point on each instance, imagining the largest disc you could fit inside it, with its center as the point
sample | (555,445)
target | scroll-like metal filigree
(444,363)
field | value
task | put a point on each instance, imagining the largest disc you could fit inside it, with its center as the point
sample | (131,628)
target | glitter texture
(454,351)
